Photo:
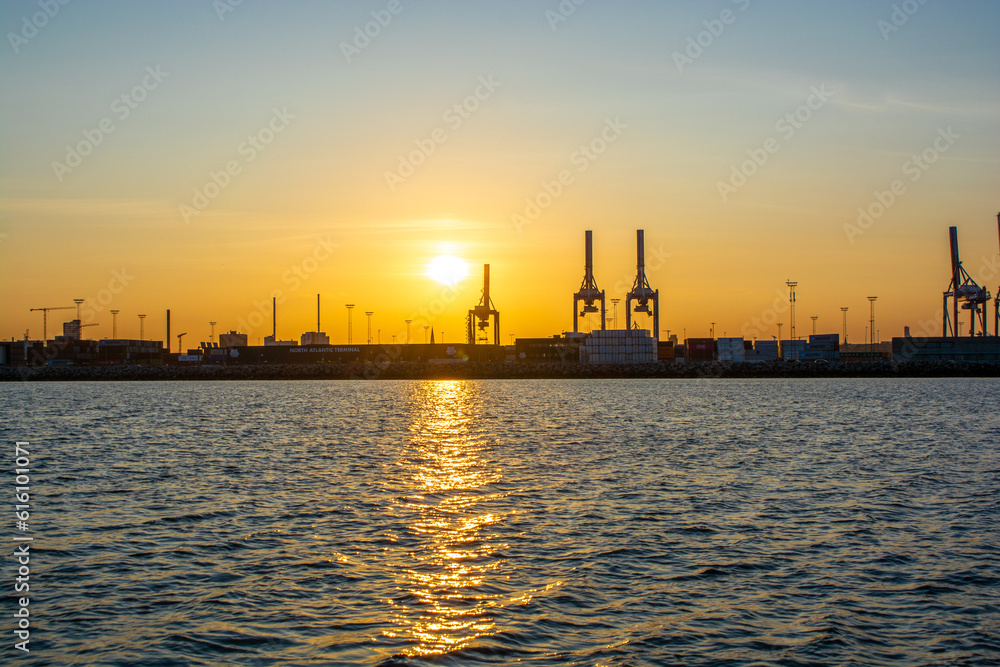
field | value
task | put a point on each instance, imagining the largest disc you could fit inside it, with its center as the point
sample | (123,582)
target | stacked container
(618,346)
(792,350)
(700,349)
(823,346)
(731,349)
(765,350)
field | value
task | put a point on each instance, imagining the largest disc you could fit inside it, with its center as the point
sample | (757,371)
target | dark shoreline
(498,371)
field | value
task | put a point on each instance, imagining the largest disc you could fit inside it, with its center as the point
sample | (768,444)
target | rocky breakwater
(477,371)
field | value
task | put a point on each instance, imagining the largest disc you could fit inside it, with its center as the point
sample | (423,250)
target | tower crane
(45,319)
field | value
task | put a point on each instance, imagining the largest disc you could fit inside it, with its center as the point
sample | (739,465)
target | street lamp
(349,307)
(871,328)
(791,307)
(141,318)
(369,314)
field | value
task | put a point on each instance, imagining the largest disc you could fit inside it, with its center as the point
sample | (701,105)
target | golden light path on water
(447,598)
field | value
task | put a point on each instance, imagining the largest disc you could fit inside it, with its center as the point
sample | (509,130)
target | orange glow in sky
(206,161)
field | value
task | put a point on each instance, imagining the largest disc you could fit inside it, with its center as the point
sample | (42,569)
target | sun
(447,269)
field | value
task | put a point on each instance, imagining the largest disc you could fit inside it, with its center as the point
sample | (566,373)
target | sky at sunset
(204,156)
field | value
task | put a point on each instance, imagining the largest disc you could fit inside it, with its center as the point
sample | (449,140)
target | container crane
(965,293)
(589,292)
(479,317)
(45,319)
(641,292)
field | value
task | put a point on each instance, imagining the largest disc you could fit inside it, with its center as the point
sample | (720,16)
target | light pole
(141,318)
(780,324)
(791,307)
(78,302)
(349,307)
(871,328)
(369,314)
(813,318)
(408,331)
(426,327)
(211,336)
(114,324)
(614,308)
(843,309)
(713,331)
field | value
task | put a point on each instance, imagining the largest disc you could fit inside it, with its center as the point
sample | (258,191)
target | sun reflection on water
(445,584)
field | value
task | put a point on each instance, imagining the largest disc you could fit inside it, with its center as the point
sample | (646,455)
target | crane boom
(45,319)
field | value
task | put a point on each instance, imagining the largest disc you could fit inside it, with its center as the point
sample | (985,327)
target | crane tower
(589,292)
(641,292)
(478,320)
(965,294)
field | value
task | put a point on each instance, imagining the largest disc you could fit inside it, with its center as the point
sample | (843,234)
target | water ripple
(613,522)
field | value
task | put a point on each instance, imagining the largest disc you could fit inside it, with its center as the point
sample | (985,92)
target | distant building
(232,339)
(71,330)
(270,340)
(315,338)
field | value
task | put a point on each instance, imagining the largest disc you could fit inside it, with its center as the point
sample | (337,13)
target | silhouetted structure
(965,294)
(589,292)
(478,319)
(641,292)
